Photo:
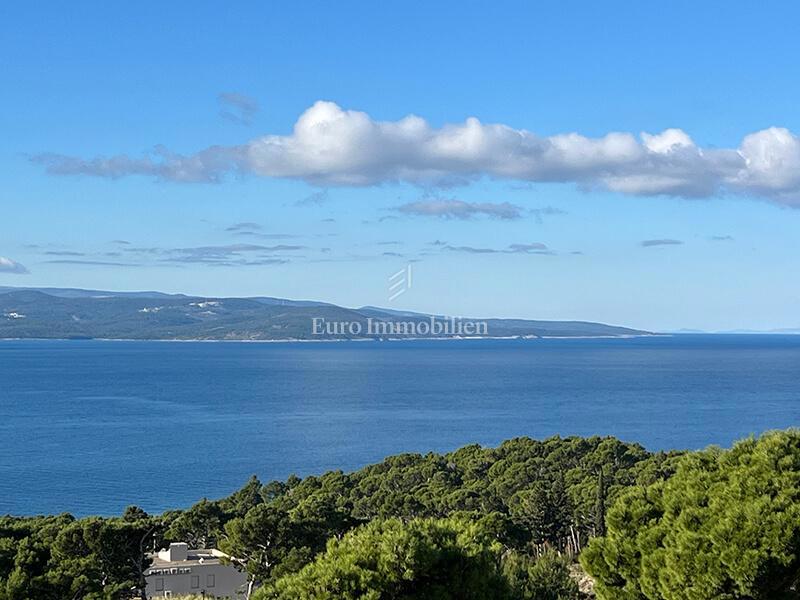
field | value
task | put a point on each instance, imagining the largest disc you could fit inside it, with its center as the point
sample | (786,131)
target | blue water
(90,427)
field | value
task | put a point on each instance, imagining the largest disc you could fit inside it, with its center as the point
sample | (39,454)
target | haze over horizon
(316,155)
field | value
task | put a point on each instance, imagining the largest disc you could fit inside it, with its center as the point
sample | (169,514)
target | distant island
(68,313)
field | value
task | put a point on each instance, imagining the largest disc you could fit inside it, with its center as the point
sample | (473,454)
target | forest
(522,521)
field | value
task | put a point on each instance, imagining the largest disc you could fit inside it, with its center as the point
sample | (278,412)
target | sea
(90,427)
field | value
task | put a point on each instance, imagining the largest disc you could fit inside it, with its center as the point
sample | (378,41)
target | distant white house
(179,571)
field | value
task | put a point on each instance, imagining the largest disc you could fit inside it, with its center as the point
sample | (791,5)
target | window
(195,582)
(160,584)
(209,581)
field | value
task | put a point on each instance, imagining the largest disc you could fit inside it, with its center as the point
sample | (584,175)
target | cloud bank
(330,146)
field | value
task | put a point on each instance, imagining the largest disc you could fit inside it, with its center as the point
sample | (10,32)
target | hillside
(72,313)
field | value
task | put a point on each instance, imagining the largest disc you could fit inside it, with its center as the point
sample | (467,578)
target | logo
(400,282)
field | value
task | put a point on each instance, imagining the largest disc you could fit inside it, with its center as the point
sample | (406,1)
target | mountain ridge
(70,313)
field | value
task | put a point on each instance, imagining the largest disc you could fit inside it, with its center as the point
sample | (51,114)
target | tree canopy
(528,497)
(423,559)
(726,525)
(60,558)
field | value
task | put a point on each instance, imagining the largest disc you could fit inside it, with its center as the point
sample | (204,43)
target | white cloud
(9,266)
(773,165)
(330,146)
(459,209)
(669,140)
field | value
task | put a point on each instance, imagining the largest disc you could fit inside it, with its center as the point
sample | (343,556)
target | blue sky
(172,127)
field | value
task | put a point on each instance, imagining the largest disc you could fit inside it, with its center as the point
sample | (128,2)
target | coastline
(360,339)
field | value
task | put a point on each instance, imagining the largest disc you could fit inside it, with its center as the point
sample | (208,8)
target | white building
(178,571)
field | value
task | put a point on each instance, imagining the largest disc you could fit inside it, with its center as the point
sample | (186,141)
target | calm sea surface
(90,427)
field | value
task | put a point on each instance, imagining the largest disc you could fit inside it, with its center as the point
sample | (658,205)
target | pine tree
(600,506)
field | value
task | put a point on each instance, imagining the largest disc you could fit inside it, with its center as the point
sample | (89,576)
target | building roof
(204,556)
(179,555)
